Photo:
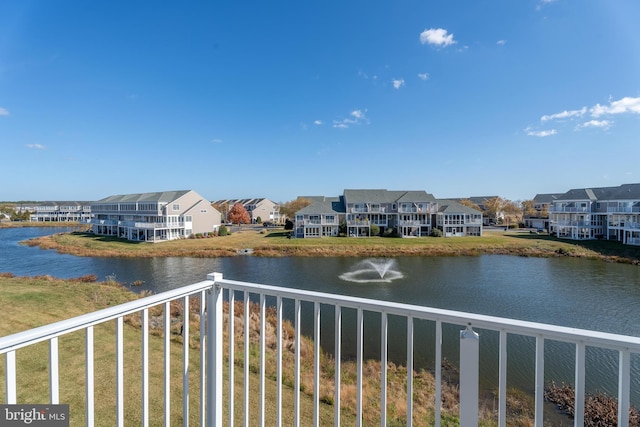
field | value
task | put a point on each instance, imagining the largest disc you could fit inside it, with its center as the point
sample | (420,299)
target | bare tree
(290,208)
(494,208)
(468,203)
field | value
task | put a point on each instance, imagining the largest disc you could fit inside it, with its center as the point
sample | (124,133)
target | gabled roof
(451,206)
(62,203)
(323,205)
(546,198)
(622,192)
(158,197)
(386,196)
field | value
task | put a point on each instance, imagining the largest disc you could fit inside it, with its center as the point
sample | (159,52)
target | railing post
(214,352)
(469,376)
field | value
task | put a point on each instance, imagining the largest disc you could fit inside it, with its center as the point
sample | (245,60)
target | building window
(188,218)
(176,207)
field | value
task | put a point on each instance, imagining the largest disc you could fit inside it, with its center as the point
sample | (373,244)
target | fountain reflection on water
(373,270)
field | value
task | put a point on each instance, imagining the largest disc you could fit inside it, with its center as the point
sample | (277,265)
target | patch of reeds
(601,410)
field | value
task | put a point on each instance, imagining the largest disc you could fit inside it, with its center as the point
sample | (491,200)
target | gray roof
(622,192)
(158,197)
(386,196)
(243,202)
(546,198)
(451,206)
(323,205)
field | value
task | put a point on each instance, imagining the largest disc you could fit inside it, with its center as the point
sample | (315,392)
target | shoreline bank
(251,242)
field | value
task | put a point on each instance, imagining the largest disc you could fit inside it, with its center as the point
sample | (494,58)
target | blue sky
(286,98)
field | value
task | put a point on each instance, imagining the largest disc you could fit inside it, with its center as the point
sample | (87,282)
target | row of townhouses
(407,213)
(56,211)
(611,213)
(154,217)
(259,209)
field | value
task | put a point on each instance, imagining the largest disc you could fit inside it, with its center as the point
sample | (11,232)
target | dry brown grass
(275,244)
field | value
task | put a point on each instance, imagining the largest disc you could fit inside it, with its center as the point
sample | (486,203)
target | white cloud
(398,83)
(437,36)
(36,146)
(501,42)
(541,133)
(604,124)
(564,115)
(4,112)
(624,105)
(317,122)
(216,140)
(423,76)
(358,114)
(356,117)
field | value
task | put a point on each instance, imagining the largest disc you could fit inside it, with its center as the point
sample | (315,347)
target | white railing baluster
(296,374)
(120,372)
(624,386)
(539,382)
(54,377)
(438,369)
(10,377)
(316,364)
(215,350)
(359,355)
(262,358)
(185,361)
(89,378)
(232,355)
(579,385)
(337,355)
(502,380)
(279,362)
(203,357)
(145,367)
(247,360)
(383,369)
(166,323)
(469,376)
(409,371)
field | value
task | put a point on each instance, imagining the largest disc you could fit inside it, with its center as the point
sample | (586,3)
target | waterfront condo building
(611,213)
(403,213)
(154,217)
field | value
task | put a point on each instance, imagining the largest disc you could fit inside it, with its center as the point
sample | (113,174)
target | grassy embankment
(33,302)
(42,300)
(276,243)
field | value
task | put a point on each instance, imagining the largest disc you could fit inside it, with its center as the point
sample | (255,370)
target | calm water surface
(561,291)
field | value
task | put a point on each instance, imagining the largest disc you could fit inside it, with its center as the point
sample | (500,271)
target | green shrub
(374,230)
(222,231)
(435,232)
(390,232)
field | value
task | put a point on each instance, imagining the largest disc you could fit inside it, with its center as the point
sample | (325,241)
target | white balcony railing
(623,209)
(559,209)
(368,209)
(215,288)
